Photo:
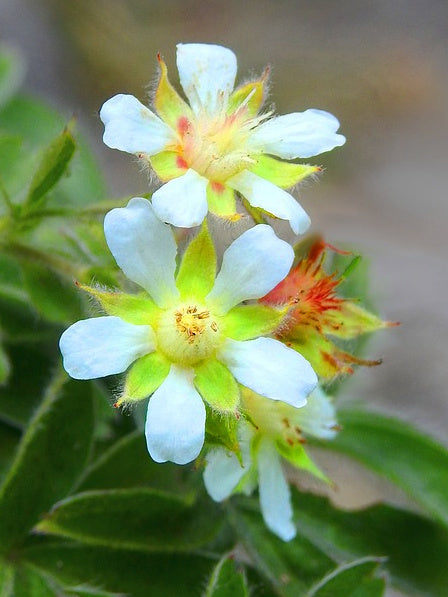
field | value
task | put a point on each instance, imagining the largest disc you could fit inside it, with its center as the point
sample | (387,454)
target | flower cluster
(241,348)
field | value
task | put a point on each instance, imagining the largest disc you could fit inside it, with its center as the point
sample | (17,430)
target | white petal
(130,126)
(207,75)
(318,417)
(252,266)
(275,498)
(144,248)
(270,368)
(297,135)
(175,423)
(222,473)
(103,346)
(182,201)
(263,193)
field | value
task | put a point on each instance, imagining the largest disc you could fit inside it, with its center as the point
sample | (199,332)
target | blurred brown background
(381,67)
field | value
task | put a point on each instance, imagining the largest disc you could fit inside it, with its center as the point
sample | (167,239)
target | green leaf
(37,125)
(11,163)
(127,464)
(356,579)
(197,271)
(12,71)
(55,299)
(29,583)
(6,580)
(136,574)
(53,165)
(406,457)
(289,567)
(20,397)
(50,457)
(140,519)
(9,439)
(5,365)
(89,591)
(227,580)
(415,547)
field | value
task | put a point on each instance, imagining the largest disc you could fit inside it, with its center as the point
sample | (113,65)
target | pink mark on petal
(183,126)
(218,187)
(181,163)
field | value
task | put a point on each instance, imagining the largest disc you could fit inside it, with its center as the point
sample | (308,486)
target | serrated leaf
(356,579)
(415,547)
(397,451)
(289,567)
(55,299)
(133,573)
(52,166)
(227,580)
(50,457)
(133,519)
(12,72)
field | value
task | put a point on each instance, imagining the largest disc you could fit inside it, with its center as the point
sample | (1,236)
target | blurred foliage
(83,509)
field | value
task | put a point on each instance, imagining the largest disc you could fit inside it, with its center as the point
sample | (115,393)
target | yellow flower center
(215,147)
(187,334)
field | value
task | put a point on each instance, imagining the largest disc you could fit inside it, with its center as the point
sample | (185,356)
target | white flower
(218,143)
(278,433)
(185,338)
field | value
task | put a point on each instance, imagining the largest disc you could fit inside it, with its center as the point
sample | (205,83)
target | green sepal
(299,458)
(282,174)
(138,309)
(222,430)
(165,165)
(353,320)
(167,102)
(53,164)
(251,321)
(326,358)
(254,89)
(197,271)
(144,377)
(217,385)
(221,201)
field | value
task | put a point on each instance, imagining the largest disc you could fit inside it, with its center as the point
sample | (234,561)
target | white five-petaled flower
(218,142)
(279,432)
(187,339)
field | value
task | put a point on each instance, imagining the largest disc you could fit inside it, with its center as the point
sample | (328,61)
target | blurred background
(381,67)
